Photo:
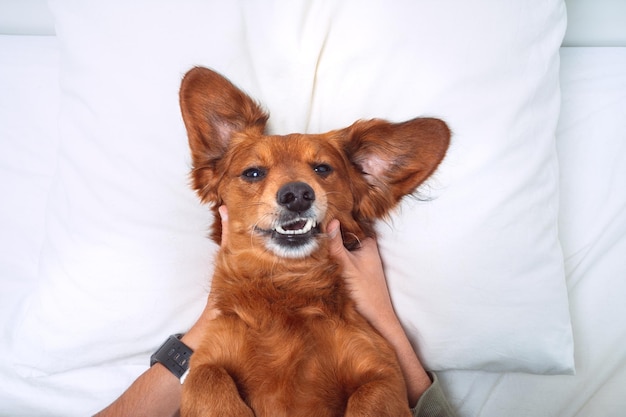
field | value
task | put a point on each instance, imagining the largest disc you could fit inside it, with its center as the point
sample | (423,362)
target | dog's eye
(322,170)
(254,174)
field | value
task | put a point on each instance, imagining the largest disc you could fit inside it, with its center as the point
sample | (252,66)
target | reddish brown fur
(289,341)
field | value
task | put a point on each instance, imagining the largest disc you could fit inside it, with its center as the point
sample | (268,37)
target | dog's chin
(295,239)
(292,249)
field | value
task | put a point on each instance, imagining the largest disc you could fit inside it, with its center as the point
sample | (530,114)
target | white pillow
(476,273)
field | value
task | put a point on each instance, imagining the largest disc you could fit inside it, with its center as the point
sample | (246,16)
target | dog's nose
(296,196)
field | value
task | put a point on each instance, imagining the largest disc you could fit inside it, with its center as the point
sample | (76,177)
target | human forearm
(156,393)
(366,279)
(416,378)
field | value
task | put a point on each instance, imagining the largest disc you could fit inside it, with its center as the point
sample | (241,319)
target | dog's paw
(209,391)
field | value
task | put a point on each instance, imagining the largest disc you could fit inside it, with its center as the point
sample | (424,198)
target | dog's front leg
(377,398)
(369,363)
(210,391)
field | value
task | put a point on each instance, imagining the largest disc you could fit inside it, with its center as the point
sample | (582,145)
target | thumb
(337,250)
(224,217)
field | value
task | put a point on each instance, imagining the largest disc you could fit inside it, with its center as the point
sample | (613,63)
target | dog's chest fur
(286,349)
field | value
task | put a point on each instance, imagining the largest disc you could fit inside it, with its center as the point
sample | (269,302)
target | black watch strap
(174,355)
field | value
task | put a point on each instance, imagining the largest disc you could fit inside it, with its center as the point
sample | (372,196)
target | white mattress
(592,155)
(592,152)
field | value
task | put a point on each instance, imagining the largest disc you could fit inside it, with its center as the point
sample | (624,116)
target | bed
(508,271)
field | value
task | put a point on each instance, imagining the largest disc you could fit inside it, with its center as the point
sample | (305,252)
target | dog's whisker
(256,224)
(252,204)
(357,239)
(261,218)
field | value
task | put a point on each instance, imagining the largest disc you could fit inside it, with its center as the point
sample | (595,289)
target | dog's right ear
(213,110)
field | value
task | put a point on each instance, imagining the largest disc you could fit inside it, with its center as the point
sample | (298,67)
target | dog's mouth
(293,238)
(298,227)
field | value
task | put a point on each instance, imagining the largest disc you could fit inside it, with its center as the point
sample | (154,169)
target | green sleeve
(433,403)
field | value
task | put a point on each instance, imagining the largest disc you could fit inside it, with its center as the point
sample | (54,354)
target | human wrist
(415,375)
(194,336)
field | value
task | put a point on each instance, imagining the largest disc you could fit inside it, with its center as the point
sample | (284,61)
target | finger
(337,250)
(224,217)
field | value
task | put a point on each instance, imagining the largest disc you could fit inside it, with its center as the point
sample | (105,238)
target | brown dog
(289,341)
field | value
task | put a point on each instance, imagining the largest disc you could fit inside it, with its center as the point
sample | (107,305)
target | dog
(289,340)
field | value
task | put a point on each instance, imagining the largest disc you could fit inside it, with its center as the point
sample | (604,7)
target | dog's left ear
(214,110)
(393,159)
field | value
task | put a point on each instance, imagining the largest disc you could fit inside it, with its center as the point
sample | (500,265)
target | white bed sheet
(592,148)
(591,142)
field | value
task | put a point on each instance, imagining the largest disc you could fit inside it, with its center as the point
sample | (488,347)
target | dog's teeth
(308,225)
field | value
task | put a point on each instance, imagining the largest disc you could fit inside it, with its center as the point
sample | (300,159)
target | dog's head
(281,191)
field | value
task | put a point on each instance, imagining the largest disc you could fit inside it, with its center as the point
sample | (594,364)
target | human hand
(364,274)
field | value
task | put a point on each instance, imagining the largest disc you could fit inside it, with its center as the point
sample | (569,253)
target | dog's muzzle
(293,231)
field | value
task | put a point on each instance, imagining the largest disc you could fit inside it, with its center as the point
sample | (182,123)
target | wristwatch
(174,355)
